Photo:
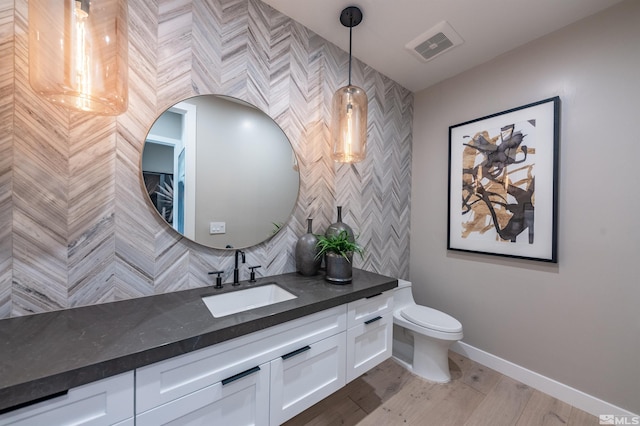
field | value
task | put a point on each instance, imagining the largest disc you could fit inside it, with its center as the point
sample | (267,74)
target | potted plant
(338,250)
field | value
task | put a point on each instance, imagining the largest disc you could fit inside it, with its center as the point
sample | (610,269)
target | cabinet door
(242,399)
(104,402)
(305,376)
(368,344)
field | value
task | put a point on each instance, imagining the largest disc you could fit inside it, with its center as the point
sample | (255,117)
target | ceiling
(489,28)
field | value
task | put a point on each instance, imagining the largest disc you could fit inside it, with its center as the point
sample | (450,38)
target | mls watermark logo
(612,419)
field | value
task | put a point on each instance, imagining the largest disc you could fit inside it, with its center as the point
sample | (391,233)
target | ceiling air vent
(434,42)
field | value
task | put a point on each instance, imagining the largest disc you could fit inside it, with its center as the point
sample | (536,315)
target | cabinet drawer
(368,344)
(364,309)
(306,376)
(242,401)
(159,383)
(105,402)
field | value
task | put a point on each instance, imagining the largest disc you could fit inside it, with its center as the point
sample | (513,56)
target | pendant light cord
(350,37)
(350,17)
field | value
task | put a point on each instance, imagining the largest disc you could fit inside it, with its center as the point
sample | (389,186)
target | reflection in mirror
(220,172)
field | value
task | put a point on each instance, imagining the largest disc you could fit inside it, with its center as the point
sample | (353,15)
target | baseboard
(574,397)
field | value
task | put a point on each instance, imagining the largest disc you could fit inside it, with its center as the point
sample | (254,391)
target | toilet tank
(402,295)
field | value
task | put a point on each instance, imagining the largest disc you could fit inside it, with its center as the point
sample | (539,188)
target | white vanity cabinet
(104,402)
(262,378)
(369,333)
(190,388)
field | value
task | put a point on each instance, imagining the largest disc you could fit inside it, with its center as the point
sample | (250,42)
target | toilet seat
(431,318)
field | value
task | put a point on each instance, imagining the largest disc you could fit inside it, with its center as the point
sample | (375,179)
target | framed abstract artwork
(503,183)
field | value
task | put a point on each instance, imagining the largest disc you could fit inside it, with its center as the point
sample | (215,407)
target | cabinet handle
(372,296)
(240,375)
(296,352)
(372,320)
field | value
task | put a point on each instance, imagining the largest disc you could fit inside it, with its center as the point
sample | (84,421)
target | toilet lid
(431,318)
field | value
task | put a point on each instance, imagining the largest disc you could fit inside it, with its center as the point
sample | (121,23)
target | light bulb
(81,58)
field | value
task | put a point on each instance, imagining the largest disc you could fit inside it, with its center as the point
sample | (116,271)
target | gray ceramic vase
(339,269)
(339,226)
(307,260)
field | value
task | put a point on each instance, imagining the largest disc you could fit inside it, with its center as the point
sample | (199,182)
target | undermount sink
(233,302)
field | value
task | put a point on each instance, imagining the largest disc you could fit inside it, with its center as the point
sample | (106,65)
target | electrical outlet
(217,228)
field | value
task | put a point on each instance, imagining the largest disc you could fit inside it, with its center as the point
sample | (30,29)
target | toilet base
(431,358)
(428,358)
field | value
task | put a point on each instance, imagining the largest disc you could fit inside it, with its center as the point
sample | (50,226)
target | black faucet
(236,274)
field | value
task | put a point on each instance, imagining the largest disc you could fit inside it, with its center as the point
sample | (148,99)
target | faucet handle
(252,277)
(218,278)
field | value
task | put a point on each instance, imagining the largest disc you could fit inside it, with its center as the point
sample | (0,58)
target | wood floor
(476,395)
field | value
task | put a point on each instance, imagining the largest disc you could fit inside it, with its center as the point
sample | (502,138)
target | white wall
(577,322)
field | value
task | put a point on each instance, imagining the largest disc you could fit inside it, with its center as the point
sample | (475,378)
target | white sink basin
(224,304)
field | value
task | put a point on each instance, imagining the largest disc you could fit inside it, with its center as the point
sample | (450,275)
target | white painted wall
(577,322)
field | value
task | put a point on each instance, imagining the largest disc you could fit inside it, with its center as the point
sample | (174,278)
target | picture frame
(503,183)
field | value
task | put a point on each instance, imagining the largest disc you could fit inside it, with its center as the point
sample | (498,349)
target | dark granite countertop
(44,354)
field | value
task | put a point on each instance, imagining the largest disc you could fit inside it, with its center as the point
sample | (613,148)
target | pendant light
(78,53)
(349,109)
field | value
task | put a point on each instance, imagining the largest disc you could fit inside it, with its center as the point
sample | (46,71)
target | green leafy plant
(339,244)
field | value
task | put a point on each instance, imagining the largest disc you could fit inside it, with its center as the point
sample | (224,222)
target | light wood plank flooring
(476,395)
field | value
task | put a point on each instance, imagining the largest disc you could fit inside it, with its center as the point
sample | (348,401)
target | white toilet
(422,336)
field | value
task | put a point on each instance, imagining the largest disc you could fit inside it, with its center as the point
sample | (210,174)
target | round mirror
(220,172)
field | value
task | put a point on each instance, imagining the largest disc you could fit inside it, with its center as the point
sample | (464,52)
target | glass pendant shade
(349,125)
(78,53)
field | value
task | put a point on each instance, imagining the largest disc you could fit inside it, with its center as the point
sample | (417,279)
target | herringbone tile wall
(75,228)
